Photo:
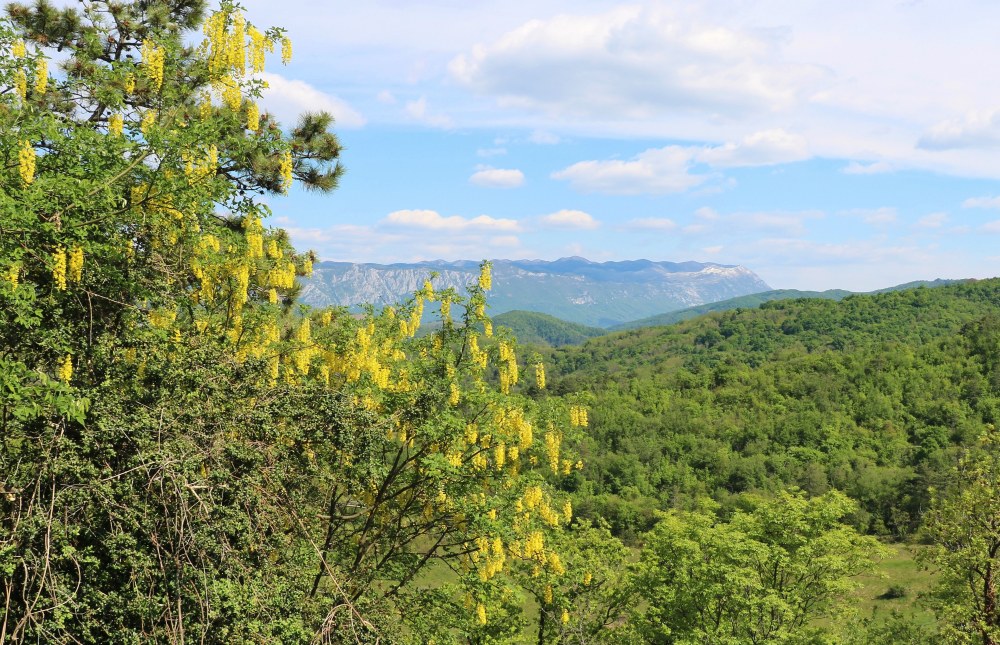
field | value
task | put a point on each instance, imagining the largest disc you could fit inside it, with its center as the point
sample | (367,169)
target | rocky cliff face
(574,289)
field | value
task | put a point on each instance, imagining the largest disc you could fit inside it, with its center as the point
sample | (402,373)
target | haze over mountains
(600,294)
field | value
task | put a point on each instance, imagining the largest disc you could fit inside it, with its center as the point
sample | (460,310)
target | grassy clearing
(899,570)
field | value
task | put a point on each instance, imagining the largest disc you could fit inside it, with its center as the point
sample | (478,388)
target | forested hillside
(871,395)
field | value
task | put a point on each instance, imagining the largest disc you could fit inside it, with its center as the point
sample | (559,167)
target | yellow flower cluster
(540,375)
(507,370)
(253,117)
(306,350)
(481,614)
(59,268)
(493,556)
(65,370)
(152,59)
(26,162)
(201,165)
(286,50)
(259,45)
(565,617)
(578,416)
(18,49)
(41,76)
(285,171)
(116,125)
(129,85)
(486,276)
(148,121)
(13,273)
(162,318)
(76,264)
(21,84)
(553,440)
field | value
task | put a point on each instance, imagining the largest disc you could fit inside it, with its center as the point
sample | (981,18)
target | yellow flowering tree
(185,454)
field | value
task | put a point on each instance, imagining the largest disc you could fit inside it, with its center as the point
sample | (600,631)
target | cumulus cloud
(977,129)
(758,149)
(570,219)
(419,111)
(669,169)
(497,178)
(432,220)
(991,227)
(652,224)
(658,171)
(287,99)
(636,61)
(981,202)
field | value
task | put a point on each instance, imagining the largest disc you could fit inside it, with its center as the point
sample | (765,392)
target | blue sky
(823,145)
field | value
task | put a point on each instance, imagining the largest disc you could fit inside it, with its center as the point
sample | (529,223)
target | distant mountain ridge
(598,294)
(754,300)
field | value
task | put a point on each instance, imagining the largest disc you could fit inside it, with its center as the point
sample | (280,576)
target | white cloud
(758,149)
(713,250)
(636,61)
(668,169)
(991,227)
(874,216)
(385,96)
(652,224)
(497,178)
(418,111)
(658,171)
(287,99)
(491,152)
(874,168)
(933,220)
(432,220)
(981,202)
(976,129)
(570,219)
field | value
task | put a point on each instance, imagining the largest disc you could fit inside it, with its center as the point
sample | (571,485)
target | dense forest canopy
(188,453)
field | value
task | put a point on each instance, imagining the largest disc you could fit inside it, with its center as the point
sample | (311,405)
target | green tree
(762,577)
(185,454)
(963,526)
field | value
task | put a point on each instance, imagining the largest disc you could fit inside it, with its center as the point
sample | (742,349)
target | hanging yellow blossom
(148,120)
(548,594)
(565,617)
(587,578)
(76,264)
(258,46)
(481,613)
(129,85)
(286,50)
(18,49)
(486,276)
(65,370)
(153,57)
(26,162)
(41,76)
(59,268)
(272,296)
(253,117)
(116,124)
(13,273)
(285,170)
(540,375)
(21,84)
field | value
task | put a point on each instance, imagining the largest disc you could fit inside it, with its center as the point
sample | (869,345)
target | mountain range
(599,294)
